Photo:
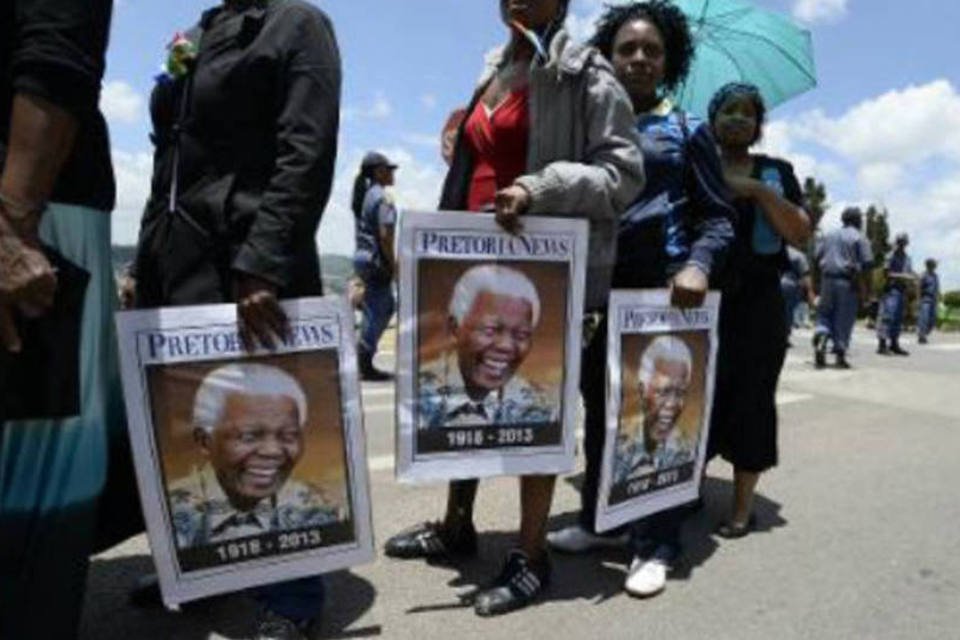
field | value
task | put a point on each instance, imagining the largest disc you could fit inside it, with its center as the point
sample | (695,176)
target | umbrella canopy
(738,42)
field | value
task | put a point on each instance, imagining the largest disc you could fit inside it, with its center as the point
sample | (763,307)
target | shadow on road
(111,617)
(599,575)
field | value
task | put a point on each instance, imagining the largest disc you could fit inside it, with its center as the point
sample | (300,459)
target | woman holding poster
(548,132)
(245,129)
(674,234)
(752,334)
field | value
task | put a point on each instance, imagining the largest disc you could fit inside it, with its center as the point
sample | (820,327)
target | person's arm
(386,222)
(306,135)
(56,68)
(605,180)
(714,234)
(784,213)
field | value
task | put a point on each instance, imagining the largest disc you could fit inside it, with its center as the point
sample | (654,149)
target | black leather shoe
(431,540)
(897,350)
(842,362)
(519,584)
(368,372)
(733,530)
(820,350)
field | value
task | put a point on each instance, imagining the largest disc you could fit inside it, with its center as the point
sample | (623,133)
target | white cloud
(425,140)
(900,151)
(429,101)
(908,125)
(814,11)
(418,187)
(120,103)
(378,109)
(582,18)
(132,172)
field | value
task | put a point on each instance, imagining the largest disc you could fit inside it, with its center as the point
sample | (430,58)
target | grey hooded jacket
(583,157)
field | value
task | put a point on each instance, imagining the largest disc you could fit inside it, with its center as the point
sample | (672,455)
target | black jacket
(258,122)
(54,49)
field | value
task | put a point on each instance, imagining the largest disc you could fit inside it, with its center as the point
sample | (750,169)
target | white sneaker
(576,539)
(646,577)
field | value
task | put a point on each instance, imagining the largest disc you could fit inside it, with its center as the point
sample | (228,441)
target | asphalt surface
(858,535)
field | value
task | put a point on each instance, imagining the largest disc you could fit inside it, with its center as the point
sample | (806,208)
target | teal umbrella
(736,41)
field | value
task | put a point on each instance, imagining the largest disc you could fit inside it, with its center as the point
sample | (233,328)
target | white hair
(243,378)
(668,348)
(496,279)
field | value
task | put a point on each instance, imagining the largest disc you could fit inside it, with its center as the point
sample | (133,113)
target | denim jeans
(837,313)
(298,600)
(659,535)
(890,321)
(378,307)
(927,320)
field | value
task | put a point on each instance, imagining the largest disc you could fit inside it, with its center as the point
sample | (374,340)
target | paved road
(858,535)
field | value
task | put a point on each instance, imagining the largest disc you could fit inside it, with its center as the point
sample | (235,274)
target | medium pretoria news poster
(660,383)
(489,345)
(251,467)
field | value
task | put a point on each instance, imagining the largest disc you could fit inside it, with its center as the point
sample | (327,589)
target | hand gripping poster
(489,345)
(251,467)
(659,395)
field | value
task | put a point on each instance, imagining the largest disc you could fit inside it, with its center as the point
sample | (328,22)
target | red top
(498,144)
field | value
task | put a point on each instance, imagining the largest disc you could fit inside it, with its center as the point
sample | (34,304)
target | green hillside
(336,269)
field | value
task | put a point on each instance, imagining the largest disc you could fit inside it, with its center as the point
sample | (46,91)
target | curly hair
(669,21)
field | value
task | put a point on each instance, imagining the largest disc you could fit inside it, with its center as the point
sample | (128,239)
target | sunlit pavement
(857,534)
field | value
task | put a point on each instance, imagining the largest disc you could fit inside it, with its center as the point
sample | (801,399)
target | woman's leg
(744,488)
(536,496)
(461,495)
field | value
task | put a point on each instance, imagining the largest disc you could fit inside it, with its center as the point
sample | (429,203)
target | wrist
(22,216)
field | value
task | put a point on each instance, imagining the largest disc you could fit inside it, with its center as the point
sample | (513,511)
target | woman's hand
(743,186)
(27,282)
(511,203)
(260,318)
(689,287)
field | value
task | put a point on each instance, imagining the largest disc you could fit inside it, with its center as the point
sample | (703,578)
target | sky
(882,127)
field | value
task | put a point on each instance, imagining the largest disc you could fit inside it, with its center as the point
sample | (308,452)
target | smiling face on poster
(659,405)
(246,474)
(484,345)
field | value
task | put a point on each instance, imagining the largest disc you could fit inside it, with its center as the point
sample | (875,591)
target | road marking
(789,397)
(381,463)
(378,391)
(941,347)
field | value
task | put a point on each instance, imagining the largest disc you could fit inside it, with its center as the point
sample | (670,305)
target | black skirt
(750,357)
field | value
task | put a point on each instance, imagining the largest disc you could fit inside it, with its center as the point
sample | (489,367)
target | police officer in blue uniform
(929,297)
(795,285)
(844,257)
(376,217)
(898,272)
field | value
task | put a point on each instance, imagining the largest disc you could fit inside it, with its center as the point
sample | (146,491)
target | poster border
(610,517)
(176,586)
(508,461)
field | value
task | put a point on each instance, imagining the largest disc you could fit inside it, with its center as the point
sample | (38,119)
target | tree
(878,233)
(815,200)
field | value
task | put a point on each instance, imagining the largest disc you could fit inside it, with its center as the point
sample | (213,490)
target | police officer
(844,257)
(898,273)
(373,262)
(795,285)
(929,297)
